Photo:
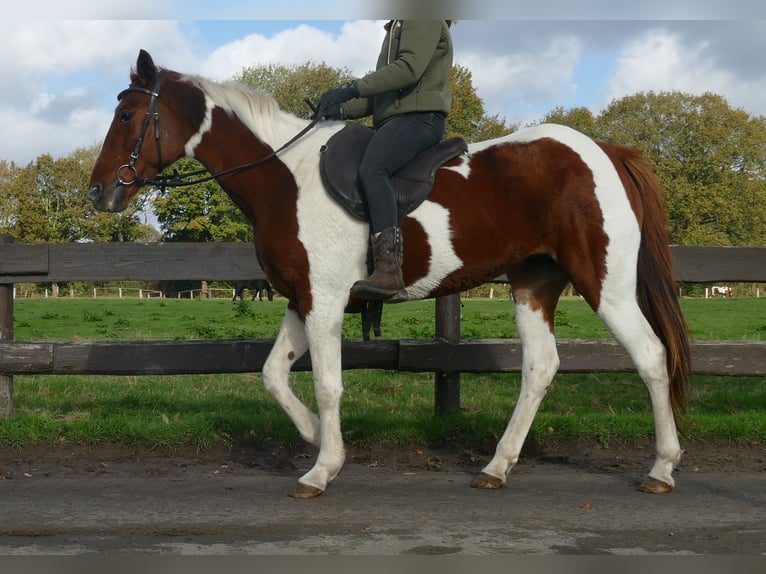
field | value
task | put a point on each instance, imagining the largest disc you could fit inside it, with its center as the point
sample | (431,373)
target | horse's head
(138,145)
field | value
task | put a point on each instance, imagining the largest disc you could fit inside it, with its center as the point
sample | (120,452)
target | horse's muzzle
(94,193)
(103,201)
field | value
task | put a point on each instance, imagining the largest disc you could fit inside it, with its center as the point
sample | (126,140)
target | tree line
(710,157)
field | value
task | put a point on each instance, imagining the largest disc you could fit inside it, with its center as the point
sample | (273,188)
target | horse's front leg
(324,335)
(290,345)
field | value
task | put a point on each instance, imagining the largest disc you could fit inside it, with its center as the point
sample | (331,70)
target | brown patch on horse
(538,281)
(417,251)
(275,233)
(543,204)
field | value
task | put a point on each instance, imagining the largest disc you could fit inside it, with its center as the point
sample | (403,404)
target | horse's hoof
(487,482)
(305,491)
(654,486)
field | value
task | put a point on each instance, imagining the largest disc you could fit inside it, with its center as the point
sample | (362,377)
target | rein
(175,180)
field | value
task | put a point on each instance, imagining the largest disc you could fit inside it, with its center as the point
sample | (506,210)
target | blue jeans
(395,143)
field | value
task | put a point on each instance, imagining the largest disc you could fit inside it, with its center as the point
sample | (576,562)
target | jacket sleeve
(357,108)
(417,44)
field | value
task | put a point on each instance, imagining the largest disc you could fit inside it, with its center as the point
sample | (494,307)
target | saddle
(339,165)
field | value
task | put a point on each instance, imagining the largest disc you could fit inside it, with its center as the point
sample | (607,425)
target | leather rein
(177,180)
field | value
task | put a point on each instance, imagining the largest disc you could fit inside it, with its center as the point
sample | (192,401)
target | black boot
(386,280)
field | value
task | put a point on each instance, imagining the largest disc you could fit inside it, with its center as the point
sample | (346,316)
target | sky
(63,63)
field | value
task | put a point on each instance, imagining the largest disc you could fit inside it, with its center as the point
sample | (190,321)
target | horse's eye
(125,117)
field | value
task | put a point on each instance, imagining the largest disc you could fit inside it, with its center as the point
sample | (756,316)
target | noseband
(151,112)
(175,180)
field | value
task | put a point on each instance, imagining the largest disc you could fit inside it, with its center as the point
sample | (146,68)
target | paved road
(546,508)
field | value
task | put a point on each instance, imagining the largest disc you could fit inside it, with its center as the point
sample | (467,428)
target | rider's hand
(337,96)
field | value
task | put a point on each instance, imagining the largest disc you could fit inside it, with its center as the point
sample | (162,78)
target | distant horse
(257,286)
(545,206)
(722,290)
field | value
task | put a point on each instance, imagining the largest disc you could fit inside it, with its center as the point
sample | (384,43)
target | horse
(545,206)
(722,290)
(258,288)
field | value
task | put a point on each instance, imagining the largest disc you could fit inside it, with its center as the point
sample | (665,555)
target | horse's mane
(258,110)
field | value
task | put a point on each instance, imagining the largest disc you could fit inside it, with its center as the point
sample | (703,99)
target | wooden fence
(446,355)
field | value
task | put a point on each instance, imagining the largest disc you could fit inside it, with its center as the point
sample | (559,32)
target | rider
(409,98)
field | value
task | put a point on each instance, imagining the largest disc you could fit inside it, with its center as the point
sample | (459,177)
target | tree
(710,158)
(46,201)
(199,212)
(580,119)
(291,85)
(467,117)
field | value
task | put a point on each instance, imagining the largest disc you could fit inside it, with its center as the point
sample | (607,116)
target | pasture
(379,407)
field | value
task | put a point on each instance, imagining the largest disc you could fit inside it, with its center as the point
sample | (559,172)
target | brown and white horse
(546,206)
(722,290)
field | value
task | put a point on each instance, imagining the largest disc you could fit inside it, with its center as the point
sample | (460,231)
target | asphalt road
(216,508)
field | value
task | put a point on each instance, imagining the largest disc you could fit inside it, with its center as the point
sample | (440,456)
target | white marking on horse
(435,221)
(207,123)
(540,361)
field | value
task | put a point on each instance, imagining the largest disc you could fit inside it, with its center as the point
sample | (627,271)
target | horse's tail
(656,287)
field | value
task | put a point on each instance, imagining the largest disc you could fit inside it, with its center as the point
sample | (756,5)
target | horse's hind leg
(291,343)
(627,323)
(535,305)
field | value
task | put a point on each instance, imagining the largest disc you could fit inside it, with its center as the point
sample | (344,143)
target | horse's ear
(145,68)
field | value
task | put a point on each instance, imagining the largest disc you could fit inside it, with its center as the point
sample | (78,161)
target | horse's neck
(272,127)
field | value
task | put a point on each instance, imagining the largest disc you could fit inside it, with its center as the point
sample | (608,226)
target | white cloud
(661,61)
(26,137)
(520,84)
(355,47)
(59,74)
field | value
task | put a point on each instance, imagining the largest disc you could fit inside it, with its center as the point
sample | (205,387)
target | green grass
(379,407)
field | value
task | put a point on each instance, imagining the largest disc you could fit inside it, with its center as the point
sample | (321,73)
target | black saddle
(339,165)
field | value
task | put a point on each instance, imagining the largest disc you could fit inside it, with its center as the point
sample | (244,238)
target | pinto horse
(546,206)
(722,290)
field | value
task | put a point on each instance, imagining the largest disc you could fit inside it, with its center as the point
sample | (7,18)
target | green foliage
(243,309)
(290,85)
(200,212)
(710,158)
(46,201)
(467,117)
(580,119)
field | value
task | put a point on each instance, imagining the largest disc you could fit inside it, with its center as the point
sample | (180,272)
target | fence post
(447,385)
(6,334)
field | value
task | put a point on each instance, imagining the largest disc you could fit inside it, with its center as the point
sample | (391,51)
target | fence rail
(734,358)
(446,355)
(61,262)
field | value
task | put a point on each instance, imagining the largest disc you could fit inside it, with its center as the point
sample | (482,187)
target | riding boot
(386,279)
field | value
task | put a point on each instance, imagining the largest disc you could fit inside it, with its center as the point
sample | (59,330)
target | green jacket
(412,74)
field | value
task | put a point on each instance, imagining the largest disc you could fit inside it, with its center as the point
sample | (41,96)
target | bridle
(151,112)
(177,180)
